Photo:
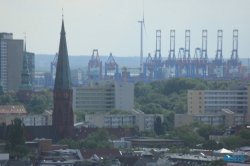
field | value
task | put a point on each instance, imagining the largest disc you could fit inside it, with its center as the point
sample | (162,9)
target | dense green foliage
(39,102)
(219,162)
(80,115)
(7,99)
(159,129)
(16,143)
(97,140)
(185,133)
(170,96)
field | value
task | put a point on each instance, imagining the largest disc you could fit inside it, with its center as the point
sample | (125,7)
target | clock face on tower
(66,95)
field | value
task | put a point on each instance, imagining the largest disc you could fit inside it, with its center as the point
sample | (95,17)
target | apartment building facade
(10,112)
(231,106)
(11,61)
(134,117)
(236,99)
(105,96)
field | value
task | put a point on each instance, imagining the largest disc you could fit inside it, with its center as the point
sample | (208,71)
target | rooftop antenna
(142,24)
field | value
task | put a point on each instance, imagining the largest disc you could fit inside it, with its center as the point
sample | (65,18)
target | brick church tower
(63,113)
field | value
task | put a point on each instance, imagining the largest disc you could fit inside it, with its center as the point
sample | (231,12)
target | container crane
(233,65)
(157,58)
(170,63)
(216,67)
(148,65)
(111,65)
(199,63)
(187,57)
(95,63)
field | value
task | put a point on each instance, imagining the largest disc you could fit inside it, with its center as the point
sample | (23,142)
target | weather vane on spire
(62,13)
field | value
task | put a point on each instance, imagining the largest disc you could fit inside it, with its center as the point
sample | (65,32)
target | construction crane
(125,69)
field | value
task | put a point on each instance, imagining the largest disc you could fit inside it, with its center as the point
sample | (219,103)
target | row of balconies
(93,98)
(226,99)
(225,104)
(101,107)
(108,121)
(95,102)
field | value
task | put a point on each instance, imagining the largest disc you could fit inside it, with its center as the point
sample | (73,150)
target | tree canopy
(97,140)
(16,141)
(170,96)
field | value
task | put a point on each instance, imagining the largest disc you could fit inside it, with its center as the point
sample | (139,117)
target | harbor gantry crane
(125,70)
(95,63)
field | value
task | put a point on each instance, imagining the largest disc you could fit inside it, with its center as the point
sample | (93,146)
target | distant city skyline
(112,25)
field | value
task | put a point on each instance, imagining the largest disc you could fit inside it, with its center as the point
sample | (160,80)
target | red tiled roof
(12,109)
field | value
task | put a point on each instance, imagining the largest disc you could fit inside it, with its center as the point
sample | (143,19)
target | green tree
(204,130)
(16,145)
(219,162)
(169,121)
(244,133)
(7,100)
(210,144)
(152,108)
(190,138)
(39,102)
(15,134)
(80,115)
(142,89)
(158,127)
(97,140)
(232,142)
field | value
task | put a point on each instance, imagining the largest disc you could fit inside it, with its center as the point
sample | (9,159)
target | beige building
(235,98)
(105,96)
(231,106)
(10,112)
(134,117)
(11,54)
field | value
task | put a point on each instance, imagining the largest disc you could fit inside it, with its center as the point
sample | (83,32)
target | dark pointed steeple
(63,117)
(25,80)
(63,79)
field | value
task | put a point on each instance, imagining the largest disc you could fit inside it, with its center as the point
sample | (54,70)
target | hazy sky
(112,25)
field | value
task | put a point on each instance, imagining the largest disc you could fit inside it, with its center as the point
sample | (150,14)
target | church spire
(63,79)
(25,80)
(63,117)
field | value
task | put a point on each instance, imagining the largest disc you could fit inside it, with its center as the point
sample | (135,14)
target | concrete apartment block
(105,96)
(134,117)
(231,106)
